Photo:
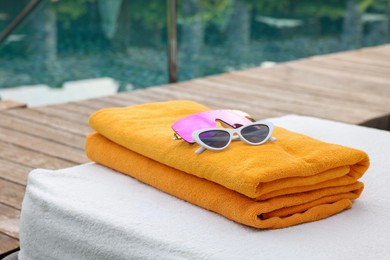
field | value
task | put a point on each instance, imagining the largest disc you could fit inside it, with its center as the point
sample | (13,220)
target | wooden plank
(9,104)
(326,90)
(63,114)
(280,101)
(97,104)
(14,172)
(7,243)
(157,94)
(43,131)
(334,95)
(270,103)
(117,102)
(378,59)
(364,61)
(181,91)
(138,96)
(368,79)
(11,194)
(349,62)
(316,79)
(382,50)
(217,93)
(60,124)
(365,56)
(9,221)
(349,66)
(30,158)
(133,98)
(93,105)
(143,96)
(212,98)
(76,108)
(43,146)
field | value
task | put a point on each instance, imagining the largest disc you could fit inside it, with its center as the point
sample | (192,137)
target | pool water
(126,40)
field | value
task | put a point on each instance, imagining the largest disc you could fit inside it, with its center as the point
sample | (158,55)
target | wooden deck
(352,87)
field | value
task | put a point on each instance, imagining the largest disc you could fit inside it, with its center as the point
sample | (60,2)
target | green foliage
(301,9)
(376,5)
(365,4)
(331,9)
(69,10)
(215,12)
(150,13)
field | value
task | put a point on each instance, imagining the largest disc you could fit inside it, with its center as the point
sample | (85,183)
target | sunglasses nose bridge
(234,135)
(239,134)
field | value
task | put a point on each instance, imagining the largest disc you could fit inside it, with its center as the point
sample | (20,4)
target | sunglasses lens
(255,133)
(215,138)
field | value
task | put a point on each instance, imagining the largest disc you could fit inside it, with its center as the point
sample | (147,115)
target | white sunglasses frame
(231,132)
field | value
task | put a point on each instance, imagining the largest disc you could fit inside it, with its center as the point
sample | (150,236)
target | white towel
(92,212)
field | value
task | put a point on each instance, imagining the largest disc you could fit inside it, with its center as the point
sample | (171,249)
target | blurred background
(77,49)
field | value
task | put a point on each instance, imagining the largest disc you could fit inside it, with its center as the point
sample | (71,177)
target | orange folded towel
(294,180)
(278,212)
(293,164)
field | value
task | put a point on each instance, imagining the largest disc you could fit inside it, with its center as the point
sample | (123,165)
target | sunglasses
(219,138)
(184,127)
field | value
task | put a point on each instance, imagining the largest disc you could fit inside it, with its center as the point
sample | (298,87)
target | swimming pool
(126,40)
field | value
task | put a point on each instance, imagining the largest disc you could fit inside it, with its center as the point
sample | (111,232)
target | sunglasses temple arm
(272,139)
(200,150)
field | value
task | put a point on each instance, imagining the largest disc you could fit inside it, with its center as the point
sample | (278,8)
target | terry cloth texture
(294,180)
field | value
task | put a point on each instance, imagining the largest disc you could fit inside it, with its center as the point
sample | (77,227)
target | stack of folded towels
(294,180)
